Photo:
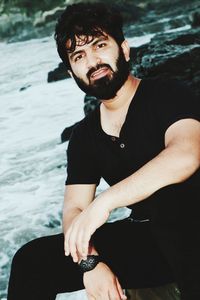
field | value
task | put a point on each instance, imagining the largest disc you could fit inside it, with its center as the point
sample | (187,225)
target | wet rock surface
(170,55)
(21,21)
(165,292)
(90,102)
(58,73)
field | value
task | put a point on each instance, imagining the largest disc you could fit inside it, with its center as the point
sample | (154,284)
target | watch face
(90,263)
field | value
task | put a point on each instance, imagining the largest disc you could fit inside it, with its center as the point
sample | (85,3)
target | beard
(106,87)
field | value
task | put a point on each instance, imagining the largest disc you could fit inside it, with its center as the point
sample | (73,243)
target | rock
(37,23)
(16,27)
(165,292)
(90,103)
(25,87)
(129,10)
(173,55)
(20,24)
(161,15)
(59,73)
(154,25)
(48,16)
(14,24)
(53,222)
(149,16)
(195,18)
(65,135)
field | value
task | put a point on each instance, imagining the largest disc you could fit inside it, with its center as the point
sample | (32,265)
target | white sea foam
(140,40)
(185,27)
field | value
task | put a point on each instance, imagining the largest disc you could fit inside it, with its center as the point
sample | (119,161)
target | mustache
(99,66)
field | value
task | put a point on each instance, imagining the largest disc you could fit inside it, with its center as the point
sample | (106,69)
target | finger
(120,290)
(69,243)
(82,244)
(72,245)
(66,243)
(79,245)
(114,294)
(83,250)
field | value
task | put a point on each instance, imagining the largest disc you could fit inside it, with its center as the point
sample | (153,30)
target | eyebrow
(96,41)
(75,53)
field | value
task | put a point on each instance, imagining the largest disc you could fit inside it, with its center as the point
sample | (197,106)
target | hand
(79,233)
(101,284)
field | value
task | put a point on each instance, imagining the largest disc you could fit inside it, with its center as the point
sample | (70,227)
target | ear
(70,73)
(126,49)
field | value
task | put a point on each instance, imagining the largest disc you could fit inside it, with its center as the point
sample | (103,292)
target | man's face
(99,67)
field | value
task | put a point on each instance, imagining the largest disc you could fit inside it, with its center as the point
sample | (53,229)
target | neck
(124,95)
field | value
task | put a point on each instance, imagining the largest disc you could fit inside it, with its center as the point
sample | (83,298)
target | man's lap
(127,247)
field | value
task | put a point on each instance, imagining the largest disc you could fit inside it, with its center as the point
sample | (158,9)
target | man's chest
(112,125)
(127,147)
(112,128)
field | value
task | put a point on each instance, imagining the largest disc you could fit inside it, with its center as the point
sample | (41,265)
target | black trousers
(139,253)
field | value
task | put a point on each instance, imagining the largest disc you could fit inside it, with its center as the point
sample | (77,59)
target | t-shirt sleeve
(82,167)
(175,101)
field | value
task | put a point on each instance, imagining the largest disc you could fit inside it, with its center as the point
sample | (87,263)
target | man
(144,140)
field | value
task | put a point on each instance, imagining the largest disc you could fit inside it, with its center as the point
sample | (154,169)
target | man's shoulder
(168,89)
(161,83)
(87,124)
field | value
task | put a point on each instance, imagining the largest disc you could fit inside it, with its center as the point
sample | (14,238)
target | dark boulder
(58,73)
(195,18)
(65,135)
(24,87)
(172,55)
(90,103)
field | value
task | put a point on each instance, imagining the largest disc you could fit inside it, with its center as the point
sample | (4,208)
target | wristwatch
(90,263)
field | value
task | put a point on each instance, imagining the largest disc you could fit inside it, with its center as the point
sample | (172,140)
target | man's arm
(100,280)
(76,198)
(177,162)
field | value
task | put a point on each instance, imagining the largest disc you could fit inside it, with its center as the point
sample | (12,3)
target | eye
(101,45)
(78,57)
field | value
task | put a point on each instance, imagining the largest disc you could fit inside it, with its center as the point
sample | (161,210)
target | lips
(99,73)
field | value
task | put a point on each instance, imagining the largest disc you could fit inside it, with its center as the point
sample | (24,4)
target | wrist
(104,202)
(91,249)
(90,263)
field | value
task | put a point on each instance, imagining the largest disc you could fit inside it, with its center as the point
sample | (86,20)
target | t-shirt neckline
(136,96)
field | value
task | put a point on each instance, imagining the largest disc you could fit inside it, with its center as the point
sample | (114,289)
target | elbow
(189,164)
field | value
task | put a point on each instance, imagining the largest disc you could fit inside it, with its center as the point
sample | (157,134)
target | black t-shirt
(156,105)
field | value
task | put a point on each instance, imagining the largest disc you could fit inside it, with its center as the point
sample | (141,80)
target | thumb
(120,290)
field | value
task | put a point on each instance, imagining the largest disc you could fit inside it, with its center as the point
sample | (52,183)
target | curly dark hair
(88,20)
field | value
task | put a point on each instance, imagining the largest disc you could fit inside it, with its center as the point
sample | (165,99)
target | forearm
(171,166)
(77,198)
(69,214)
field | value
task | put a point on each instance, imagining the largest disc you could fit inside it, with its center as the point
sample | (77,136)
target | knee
(22,257)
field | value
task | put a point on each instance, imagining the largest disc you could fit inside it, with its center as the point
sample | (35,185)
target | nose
(92,60)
